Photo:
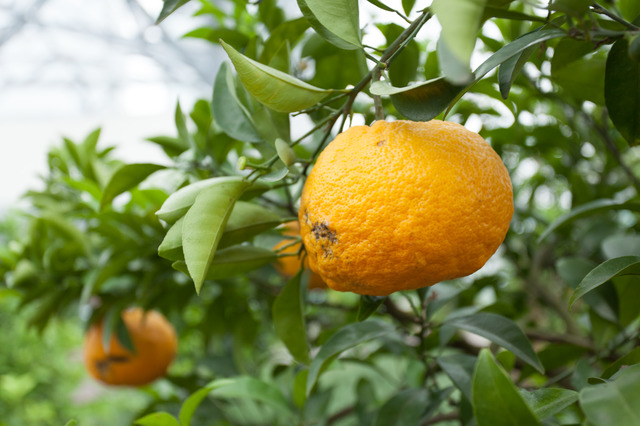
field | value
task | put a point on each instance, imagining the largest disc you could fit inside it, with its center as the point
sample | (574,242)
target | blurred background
(70,66)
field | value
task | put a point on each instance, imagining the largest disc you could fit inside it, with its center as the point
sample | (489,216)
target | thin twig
(602,11)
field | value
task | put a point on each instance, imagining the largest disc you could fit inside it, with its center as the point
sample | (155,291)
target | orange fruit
(155,343)
(288,266)
(402,205)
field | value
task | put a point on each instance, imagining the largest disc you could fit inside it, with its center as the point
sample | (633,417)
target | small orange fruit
(155,343)
(402,205)
(288,266)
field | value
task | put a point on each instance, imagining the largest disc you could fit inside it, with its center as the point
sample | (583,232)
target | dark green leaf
(496,400)
(502,331)
(406,408)
(589,209)
(631,358)
(171,146)
(337,21)
(622,91)
(510,69)
(234,261)
(347,337)
(577,8)
(407,6)
(275,89)
(459,368)
(290,31)
(405,65)
(630,9)
(615,402)
(548,402)
(204,224)
(288,320)
(368,305)
(169,7)
(126,178)
(157,419)
(498,12)
(235,38)
(627,265)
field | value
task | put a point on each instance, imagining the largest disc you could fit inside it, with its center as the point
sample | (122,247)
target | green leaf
(382,5)
(233,261)
(169,7)
(246,221)
(548,402)
(244,387)
(627,265)
(589,209)
(406,408)
(459,368)
(171,246)
(181,124)
(68,230)
(158,419)
(235,38)
(422,101)
(275,89)
(347,337)
(170,145)
(577,8)
(203,225)
(368,305)
(288,320)
(337,21)
(126,178)
(630,9)
(406,64)
(72,422)
(180,201)
(502,331)
(496,400)
(622,91)
(230,114)
(407,6)
(460,21)
(614,402)
(191,404)
(499,12)
(510,69)
(631,358)
(290,31)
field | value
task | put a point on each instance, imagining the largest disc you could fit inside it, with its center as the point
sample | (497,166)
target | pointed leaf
(181,124)
(275,89)
(157,419)
(496,400)
(191,404)
(347,337)
(203,225)
(233,261)
(615,402)
(180,201)
(510,69)
(228,111)
(502,331)
(368,305)
(406,408)
(288,320)
(460,21)
(622,91)
(169,7)
(619,266)
(548,402)
(459,368)
(337,21)
(126,178)
(589,209)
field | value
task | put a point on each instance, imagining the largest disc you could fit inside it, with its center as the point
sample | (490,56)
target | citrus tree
(547,332)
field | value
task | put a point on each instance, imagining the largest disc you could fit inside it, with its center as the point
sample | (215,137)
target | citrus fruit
(154,340)
(288,266)
(403,205)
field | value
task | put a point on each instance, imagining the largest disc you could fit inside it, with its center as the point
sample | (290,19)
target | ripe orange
(290,265)
(155,343)
(402,205)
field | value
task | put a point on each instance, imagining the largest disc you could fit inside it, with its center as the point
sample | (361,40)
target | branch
(602,11)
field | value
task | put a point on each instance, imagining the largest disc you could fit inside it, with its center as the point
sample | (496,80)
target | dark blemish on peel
(381,142)
(322,231)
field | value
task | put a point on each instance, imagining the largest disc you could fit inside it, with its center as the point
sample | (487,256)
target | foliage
(562,113)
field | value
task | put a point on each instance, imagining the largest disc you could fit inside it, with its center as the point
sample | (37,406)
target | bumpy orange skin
(403,205)
(290,265)
(154,340)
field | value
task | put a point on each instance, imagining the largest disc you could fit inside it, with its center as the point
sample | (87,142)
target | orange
(155,343)
(290,265)
(402,205)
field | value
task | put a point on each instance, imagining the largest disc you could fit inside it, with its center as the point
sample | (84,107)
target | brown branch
(402,316)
